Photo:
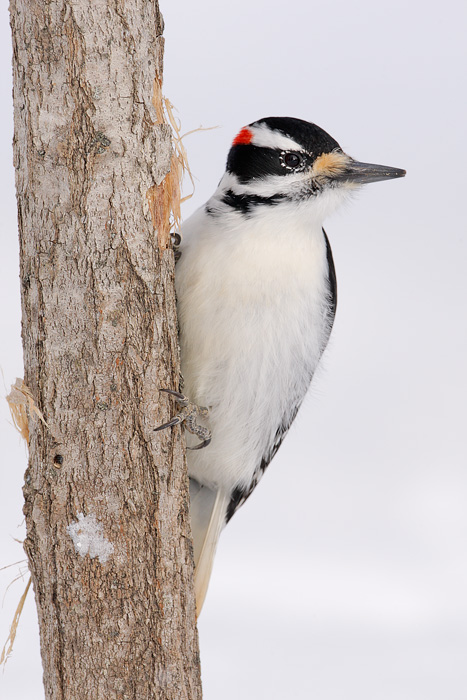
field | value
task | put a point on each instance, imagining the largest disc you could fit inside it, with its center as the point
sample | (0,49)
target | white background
(344,577)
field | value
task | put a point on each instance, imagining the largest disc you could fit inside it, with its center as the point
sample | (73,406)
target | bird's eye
(292,160)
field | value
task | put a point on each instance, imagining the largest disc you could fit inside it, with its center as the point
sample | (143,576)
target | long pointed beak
(362,173)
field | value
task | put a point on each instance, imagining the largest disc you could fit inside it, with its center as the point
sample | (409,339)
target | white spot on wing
(88,538)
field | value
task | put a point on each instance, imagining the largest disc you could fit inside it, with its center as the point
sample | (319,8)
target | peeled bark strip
(106,500)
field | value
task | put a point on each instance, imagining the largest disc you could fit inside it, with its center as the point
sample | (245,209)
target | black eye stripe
(249,162)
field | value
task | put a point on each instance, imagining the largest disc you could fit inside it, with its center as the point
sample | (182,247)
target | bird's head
(282,158)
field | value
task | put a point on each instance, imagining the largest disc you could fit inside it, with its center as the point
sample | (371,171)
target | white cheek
(293,185)
(327,202)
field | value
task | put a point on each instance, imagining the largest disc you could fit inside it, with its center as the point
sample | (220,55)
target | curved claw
(180,397)
(170,424)
(188,415)
(205,443)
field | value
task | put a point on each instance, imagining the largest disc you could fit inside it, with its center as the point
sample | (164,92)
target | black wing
(332,281)
(240,495)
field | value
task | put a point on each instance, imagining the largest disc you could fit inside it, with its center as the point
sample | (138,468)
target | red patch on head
(243,137)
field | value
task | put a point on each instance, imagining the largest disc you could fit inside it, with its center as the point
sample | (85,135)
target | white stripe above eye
(265,137)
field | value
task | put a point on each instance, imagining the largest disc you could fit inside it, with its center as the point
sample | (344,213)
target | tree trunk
(106,498)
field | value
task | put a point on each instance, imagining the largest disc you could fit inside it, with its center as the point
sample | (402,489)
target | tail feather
(208,510)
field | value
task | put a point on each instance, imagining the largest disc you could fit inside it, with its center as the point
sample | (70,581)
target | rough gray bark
(116,613)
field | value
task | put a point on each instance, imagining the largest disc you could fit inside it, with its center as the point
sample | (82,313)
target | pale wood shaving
(21,404)
(8,646)
(165,199)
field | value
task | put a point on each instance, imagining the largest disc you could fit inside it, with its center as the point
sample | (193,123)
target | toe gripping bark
(188,414)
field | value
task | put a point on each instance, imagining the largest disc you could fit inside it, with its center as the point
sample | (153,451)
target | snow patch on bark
(88,538)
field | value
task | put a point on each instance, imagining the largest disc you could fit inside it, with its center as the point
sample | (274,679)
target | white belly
(253,312)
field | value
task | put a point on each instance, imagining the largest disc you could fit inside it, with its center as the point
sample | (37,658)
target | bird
(256,299)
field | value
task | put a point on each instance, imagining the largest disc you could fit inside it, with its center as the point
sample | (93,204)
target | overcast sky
(344,577)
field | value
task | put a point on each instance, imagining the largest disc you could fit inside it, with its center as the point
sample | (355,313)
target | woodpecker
(256,295)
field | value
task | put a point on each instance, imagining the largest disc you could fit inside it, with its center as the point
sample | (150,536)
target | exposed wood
(116,612)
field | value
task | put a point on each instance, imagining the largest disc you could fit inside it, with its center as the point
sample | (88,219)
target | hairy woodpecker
(256,291)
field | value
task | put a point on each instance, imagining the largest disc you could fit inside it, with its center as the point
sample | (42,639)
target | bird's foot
(188,414)
(176,240)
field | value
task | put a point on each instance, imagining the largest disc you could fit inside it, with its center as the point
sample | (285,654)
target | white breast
(253,312)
